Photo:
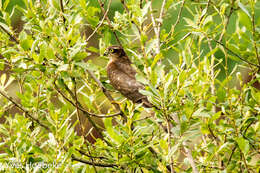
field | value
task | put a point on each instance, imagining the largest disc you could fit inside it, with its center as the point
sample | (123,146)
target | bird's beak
(105,53)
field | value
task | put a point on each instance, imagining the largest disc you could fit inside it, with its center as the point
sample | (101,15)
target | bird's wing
(123,82)
(126,68)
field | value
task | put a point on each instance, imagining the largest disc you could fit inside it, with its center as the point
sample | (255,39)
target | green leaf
(243,144)
(3,78)
(5,27)
(244,9)
(146,8)
(118,138)
(201,112)
(6,2)
(221,94)
(244,20)
(147,93)
(141,79)
(25,41)
(156,59)
(80,56)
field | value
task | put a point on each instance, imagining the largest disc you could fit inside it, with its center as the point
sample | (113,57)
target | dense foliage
(191,55)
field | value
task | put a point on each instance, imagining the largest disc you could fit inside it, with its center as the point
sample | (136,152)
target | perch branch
(82,109)
(79,106)
(107,94)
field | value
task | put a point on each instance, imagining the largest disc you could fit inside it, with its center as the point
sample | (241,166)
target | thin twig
(77,107)
(178,18)
(153,20)
(84,153)
(101,22)
(160,21)
(212,133)
(254,34)
(169,144)
(202,16)
(63,17)
(92,160)
(24,110)
(190,158)
(142,44)
(109,22)
(227,21)
(231,155)
(83,110)
(13,38)
(235,54)
(95,163)
(85,113)
(107,94)
(187,150)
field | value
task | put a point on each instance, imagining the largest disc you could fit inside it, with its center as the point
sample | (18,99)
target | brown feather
(122,76)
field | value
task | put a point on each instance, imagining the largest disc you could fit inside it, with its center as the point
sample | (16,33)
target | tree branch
(95,163)
(62,10)
(85,113)
(238,56)
(178,18)
(187,150)
(160,21)
(101,22)
(227,21)
(13,38)
(109,22)
(107,94)
(254,34)
(25,111)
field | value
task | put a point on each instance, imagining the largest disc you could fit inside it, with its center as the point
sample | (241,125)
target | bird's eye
(111,50)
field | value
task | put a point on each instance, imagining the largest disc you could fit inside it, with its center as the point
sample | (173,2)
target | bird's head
(115,52)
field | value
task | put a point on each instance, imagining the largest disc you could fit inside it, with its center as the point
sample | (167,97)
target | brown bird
(122,76)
